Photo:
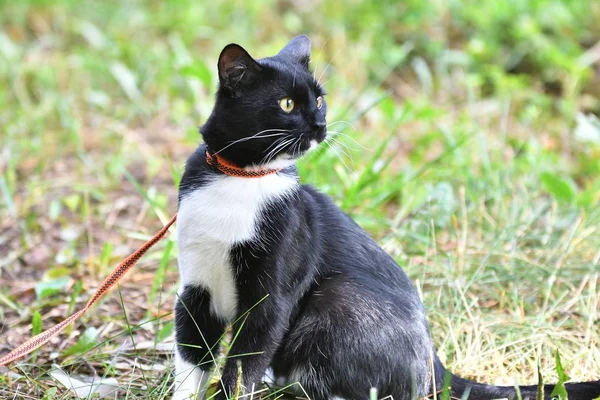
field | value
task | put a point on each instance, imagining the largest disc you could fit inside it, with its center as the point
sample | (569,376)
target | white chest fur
(211,220)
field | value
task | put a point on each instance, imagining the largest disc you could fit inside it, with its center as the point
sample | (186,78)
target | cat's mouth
(300,148)
(294,149)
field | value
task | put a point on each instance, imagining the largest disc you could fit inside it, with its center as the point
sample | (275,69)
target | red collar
(219,163)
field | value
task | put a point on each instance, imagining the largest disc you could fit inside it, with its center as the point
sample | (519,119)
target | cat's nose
(318,126)
(320,129)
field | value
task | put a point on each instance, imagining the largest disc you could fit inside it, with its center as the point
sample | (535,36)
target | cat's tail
(480,391)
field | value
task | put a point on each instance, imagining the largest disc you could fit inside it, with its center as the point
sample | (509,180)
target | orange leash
(125,265)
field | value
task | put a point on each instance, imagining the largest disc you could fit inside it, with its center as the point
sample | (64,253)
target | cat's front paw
(188,390)
(229,388)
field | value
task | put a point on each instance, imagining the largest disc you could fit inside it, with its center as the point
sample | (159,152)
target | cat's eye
(286,104)
(320,102)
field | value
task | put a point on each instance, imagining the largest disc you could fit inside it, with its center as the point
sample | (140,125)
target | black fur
(193,309)
(323,298)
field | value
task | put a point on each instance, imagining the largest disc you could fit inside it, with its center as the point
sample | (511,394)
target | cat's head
(267,111)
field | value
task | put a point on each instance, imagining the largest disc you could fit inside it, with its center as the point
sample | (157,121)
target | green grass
(460,149)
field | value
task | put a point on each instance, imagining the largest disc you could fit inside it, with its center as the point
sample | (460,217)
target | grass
(467,146)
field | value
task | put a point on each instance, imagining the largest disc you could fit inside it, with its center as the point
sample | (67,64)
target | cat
(308,293)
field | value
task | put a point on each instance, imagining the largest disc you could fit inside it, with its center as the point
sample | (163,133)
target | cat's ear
(298,50)
(236,68)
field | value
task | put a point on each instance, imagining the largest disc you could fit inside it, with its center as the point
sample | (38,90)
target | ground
(465,136)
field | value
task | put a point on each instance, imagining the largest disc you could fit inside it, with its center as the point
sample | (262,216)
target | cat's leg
(257,336)
(190,380)
(198,333)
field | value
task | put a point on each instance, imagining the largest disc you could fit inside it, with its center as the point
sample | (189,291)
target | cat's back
(348,249)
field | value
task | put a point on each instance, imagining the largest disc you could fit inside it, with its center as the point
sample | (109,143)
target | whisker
(326,82)
(329,144)
(277,149)
(333,139)
(259,137)
(328,64)
(338,133)
(336,137)
(293,148)
(281,131)
(281,148)
(299,143)
(350,124)
(294,80)
(346,150)
(276,142)
(321,51)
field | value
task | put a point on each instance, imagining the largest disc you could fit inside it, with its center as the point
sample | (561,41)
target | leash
(125,265)
(214,161)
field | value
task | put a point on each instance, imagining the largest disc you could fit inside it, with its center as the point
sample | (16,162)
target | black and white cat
(308,292)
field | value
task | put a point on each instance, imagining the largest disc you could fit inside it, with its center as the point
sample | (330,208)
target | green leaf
(36,323)
(87,341)
(54,209)
(589,197)
(161,272)
(561,188)
(57,272)
(540,385)
(165,331)
(518,390)
(72,202)
(388,108)
(74,293)
(466,393)
(126,78)
(562,376)
(198,70)
(49,287)
(105,254)
(560,392)
(587,129)
(446,386)
(50,394)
